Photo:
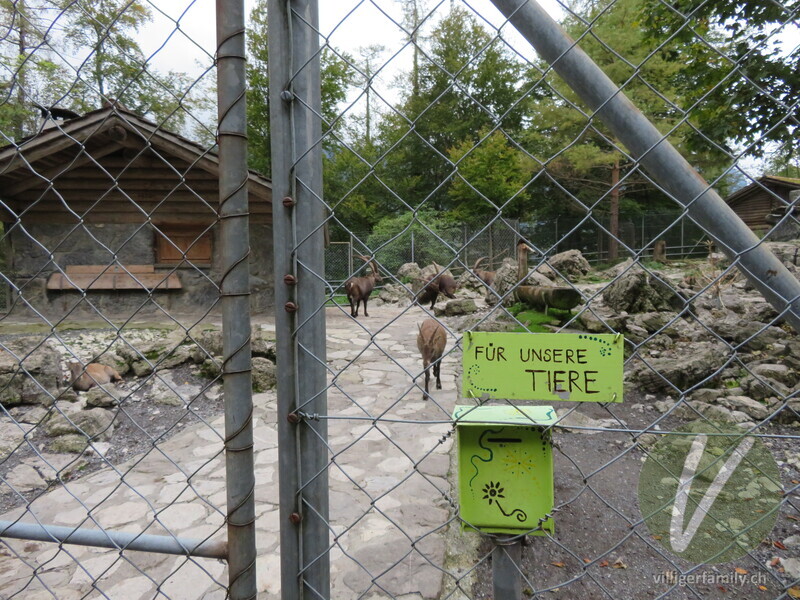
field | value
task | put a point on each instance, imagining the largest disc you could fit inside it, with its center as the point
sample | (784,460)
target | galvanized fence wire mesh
(429,166)
(112,470)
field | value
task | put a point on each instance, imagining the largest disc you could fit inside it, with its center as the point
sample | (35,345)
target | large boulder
(681,369)
(637,291)
(409,272)
(264,374)
(29,374)
(570,264)
(96,423)
(394,293)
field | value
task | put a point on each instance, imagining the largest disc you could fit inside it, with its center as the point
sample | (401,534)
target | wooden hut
(108,212)
(767,195)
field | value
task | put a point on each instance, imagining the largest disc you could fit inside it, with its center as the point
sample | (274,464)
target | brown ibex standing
(358,289)
(95,374)
(433,285)
(486,277)
(431,341)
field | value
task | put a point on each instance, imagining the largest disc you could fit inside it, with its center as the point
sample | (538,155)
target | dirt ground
(600,550)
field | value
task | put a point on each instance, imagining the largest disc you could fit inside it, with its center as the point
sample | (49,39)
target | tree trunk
(613,245)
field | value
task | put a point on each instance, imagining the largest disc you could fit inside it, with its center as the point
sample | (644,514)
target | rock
(707,395)
(791,568)
(164,394)
(682,370)
(33,376)
(663,406)
(569,419)
(754,409)
(715,412)
(792,541)
(72,443)
(596,318)
(756,335)
(210,340)
(263,344)
(635,333)
(638,291)
(104,396)
(264,374)
(777,372)
(409,272)
(11,436)
(570,264)
(395,293)
(211,368)
(459,306)
(24,478)
(96,423)
(142,368)
(761,388)
(31,415)
(174,358)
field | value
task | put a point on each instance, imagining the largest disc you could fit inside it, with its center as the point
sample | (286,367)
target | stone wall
(36,249)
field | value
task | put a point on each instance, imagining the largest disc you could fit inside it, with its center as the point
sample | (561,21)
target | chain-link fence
(487,247)
(126,461)
(439,125)
(472,138)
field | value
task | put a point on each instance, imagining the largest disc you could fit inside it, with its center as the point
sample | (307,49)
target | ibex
(95,374)
(433,285)
(431,340)
(358,289)
(486,277)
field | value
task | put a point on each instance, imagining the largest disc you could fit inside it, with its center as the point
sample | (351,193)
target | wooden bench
(104,277)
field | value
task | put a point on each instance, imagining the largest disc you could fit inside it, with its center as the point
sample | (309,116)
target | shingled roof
(112,165)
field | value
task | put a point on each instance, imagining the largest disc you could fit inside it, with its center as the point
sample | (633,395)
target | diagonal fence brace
(161,544)
(661,160)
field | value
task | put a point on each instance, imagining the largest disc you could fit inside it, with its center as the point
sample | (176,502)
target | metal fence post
(300,324)
(506,580)
(657,155)
(235,292)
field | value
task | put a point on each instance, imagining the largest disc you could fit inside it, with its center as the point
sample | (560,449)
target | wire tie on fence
(234,215)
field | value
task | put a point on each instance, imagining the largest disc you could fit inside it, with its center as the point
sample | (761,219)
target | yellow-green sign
(582,367)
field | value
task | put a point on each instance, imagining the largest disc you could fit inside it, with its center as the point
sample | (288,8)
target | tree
(466,86)
(115,68)
(336,77)
(29,75)
(583,156)
(739,77)
(491,176)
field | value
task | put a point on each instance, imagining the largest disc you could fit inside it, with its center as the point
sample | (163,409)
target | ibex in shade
(431,341)
(95,374)
(433,285)
(358,289)
(486,277)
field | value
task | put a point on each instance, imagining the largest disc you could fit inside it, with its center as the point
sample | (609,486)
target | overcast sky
(347,24)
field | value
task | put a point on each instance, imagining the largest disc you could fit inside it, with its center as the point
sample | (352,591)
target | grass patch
(338,300)
(534,321)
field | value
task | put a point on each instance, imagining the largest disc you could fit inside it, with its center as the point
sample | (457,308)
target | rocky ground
(171,380)
(700,343)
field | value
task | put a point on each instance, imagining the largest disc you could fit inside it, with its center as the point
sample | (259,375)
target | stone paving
(387,485)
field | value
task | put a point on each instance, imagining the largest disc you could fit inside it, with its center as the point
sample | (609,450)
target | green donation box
(505,468)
